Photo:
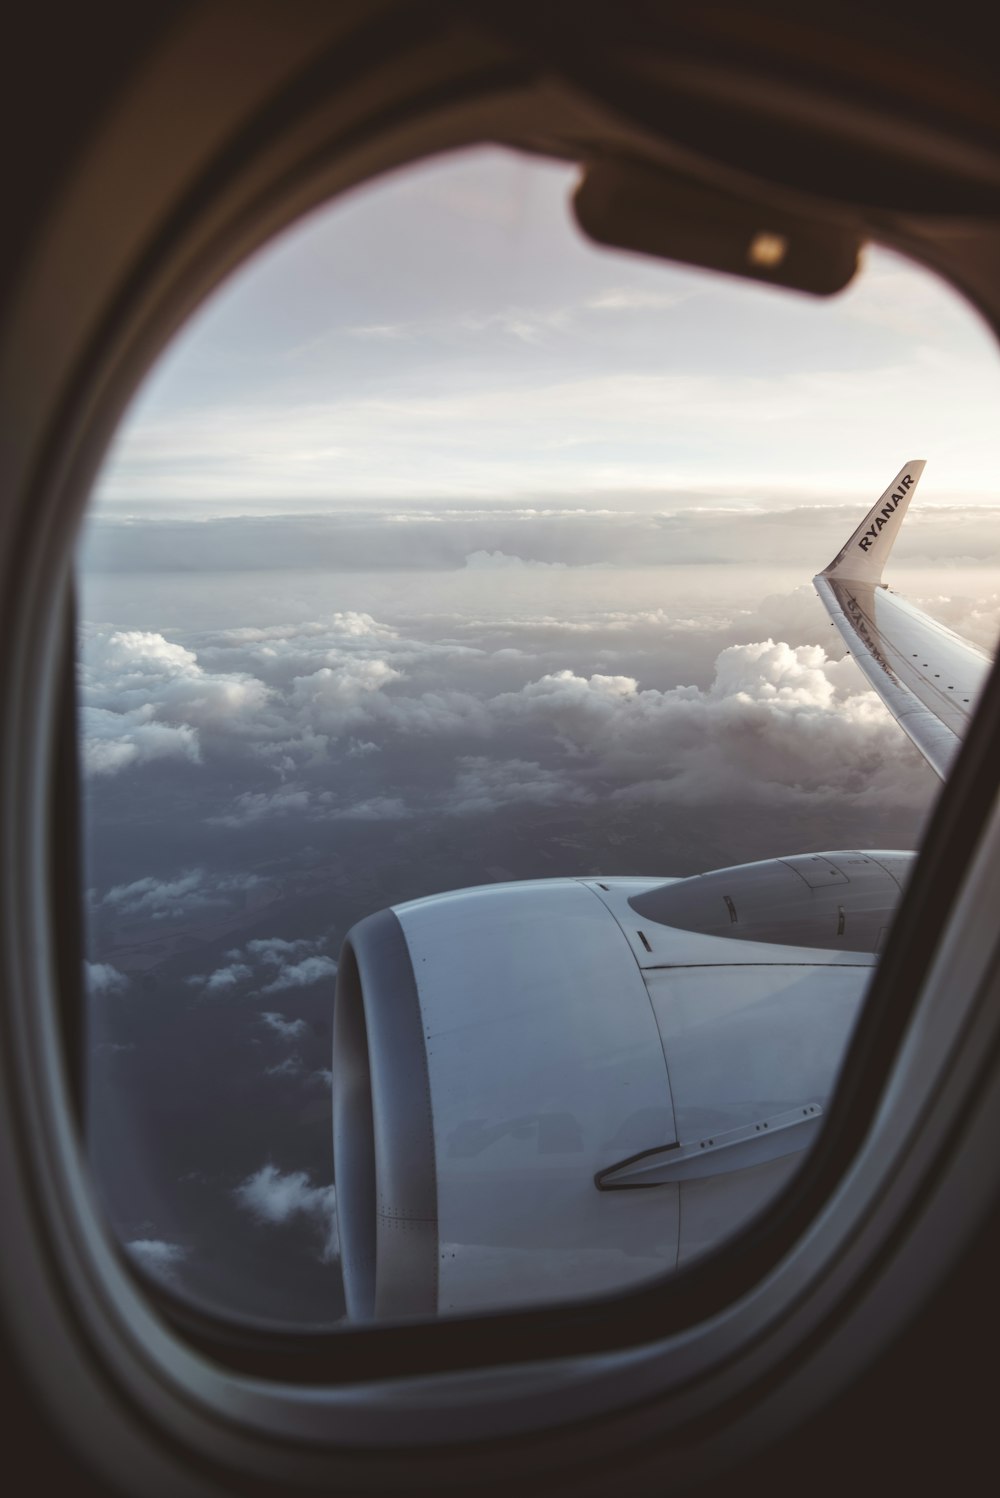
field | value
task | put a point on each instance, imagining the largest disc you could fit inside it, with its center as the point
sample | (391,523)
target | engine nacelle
(515,1066)
(842,901)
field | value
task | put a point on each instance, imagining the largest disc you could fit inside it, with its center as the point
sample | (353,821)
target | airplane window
(445,554)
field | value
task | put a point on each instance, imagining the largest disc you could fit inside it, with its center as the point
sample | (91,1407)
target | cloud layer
(740,523)
(177,898)
(773,720)
(269,965)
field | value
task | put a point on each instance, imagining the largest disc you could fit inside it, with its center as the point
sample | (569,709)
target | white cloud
(484,785)
(529,325)
(255,806)
(634,298)
(778,723)
(741,520)
(336,697)
(225,978)
(279,697)
(297,755)
(115,741)
(102,978)
(302,974)
(285,964)
(290,1067)
(321,806)
(288,1029)
(374,809)
(157,1257)
(274,1198)
(778,719)
(174,899)
(497,560)
(438,712)
(558,733)
(144,697)
(382,330)
(273,951)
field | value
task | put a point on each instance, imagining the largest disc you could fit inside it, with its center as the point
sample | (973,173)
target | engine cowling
(516,1066)
(840,901)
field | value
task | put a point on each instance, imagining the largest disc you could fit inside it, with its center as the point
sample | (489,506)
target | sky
(443,548)
(449,334)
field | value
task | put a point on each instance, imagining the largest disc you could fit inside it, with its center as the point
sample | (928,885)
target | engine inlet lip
(385,1162)
(354,1140)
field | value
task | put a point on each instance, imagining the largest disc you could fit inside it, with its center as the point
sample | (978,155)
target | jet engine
(554,1088)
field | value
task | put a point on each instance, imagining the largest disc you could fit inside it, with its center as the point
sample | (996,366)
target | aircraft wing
(927,676)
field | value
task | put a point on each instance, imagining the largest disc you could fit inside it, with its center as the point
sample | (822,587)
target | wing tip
(866,551)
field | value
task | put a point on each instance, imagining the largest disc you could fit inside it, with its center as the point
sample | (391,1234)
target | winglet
(865,554)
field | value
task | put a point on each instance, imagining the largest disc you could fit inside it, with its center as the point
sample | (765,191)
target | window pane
(443,549)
